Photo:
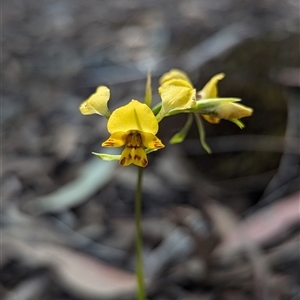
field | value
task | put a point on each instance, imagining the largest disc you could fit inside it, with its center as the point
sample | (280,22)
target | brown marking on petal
(158,145)
(108,144)
(138,157)
(211,119)
(139,141)
(198,96)
(134,140)
(129,138)
(122,161)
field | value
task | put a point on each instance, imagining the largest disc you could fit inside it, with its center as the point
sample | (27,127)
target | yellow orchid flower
(179,96)
(210,90)
(225,110)
(97,103)
(174,74)
(176,91)
(133,126)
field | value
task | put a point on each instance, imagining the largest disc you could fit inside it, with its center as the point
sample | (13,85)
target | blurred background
(223,226)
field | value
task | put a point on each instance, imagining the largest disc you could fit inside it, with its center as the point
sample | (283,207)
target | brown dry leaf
(77,273)
(232,294)
(28,289)
(227,224)
(195,221)
(223,219)
(66,139)
(266,225)
(25,166)
(88,277)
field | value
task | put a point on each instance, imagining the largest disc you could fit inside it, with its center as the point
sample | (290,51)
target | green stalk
(138,239)
(160,115)
(156,108)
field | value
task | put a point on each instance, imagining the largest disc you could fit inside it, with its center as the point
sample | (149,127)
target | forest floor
(223,226)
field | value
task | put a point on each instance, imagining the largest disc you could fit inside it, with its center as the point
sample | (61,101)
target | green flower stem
(205,107)
(161,114)
(138,238)
(156,108)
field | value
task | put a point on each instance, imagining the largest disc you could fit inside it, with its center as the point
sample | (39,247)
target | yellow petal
(151,141)
(174,74)
(96,103)
(179,82)
(233,111)
(210,90)
(133,116)
(133,156)
(211,119)
(177,94)
(117,139)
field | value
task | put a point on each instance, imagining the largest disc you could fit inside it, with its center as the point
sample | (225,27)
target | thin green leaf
(237,122)
(105,156)
(180,136)
(201,131)
(150,150)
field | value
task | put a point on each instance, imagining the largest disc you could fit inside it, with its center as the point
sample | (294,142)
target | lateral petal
(116,139)
(210,90)
(151,141)
(96,103)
